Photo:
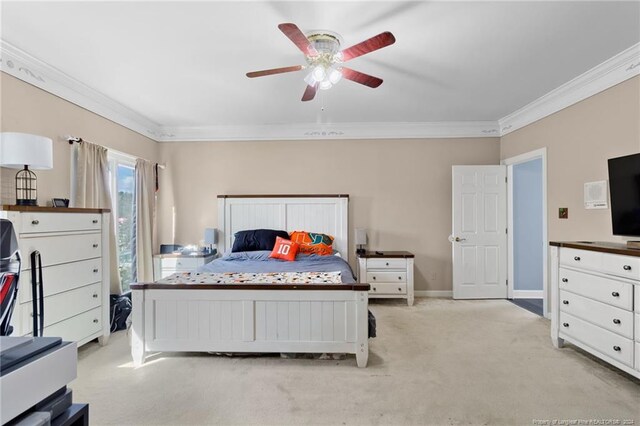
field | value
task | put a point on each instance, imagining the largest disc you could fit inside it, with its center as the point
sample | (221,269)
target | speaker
(596,195)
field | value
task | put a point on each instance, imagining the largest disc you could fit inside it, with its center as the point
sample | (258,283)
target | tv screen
(624,186)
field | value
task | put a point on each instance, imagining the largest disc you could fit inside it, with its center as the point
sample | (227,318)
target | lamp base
(361,251)
(26,202)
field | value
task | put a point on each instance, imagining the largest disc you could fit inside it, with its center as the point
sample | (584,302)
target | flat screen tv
(624,186)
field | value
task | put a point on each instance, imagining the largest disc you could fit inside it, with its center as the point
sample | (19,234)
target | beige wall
(26,108)
(400,190)
(579,140)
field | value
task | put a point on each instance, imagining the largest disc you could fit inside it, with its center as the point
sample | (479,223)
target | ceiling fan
(324,57)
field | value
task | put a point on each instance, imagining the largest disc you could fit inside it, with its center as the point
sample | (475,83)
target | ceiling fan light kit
(324,58)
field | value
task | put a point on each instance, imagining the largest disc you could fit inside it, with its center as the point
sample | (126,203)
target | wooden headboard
(328,214)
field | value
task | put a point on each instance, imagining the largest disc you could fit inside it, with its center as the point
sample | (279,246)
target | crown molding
(311,131)
(615,70)
(25,67)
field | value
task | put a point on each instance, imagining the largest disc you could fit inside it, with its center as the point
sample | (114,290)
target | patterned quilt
(253,278)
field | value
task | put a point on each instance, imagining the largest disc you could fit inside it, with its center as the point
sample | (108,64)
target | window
(122,178)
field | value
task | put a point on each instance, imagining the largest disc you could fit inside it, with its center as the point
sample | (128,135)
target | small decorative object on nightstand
(361,240)
(389,273)
(167,264)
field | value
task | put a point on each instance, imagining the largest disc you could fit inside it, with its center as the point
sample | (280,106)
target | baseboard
(528,294)
(434,293)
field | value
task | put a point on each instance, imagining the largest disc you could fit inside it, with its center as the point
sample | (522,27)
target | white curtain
(145,219)
(92,191)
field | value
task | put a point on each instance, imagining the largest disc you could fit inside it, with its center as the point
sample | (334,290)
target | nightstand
(167,264)
(390,274)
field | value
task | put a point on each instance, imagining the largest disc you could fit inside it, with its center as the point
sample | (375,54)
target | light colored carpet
(438,362)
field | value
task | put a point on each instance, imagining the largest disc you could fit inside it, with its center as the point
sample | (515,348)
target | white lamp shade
(211,236)
(361,236)
(20,149)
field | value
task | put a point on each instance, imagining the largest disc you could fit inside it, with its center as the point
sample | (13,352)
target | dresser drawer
(388,288)
(622,266)
(636,304)
(61,249)
(59,222)
(637,366)
(638,329)
(373,263)
(581,259)
(603,341)
(78,327)
(63,305)
(606,316)
(181,263)
(64,277)
(386,277)
(607,290)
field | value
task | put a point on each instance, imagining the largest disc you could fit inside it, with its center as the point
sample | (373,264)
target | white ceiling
(183,64)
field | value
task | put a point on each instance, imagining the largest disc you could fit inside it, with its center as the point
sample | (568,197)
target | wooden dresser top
(387,254)
(604,247)
(39,209)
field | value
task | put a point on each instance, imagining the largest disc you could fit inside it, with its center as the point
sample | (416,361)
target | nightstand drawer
(386,277)
(386,264)
(388,288)
(182,262)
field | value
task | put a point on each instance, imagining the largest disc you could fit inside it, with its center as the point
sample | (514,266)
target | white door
(479,236)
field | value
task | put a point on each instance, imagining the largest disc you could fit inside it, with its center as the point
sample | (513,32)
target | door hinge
(506,230)
(505,179)
(507,283)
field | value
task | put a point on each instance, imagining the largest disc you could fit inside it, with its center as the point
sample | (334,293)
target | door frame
(510,162)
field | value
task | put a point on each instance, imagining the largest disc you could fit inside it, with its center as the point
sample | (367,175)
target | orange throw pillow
(313,243)
(284,249)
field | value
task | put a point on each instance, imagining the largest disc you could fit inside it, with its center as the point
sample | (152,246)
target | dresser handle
(577,258)
(95,320)
(627,267)
(375,289)
(95,271)
(95,295)
(565,280)
(399,288)
(565,324)
(616,348)
(400,278)
(615,294)
(566,302)
(94,221)
(374,278)
(95,246)
(35,222)
(387,263)
(616,321)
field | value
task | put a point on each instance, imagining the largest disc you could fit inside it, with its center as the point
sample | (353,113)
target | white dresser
(390,274)
(167,264)
(75,271)
(595,301)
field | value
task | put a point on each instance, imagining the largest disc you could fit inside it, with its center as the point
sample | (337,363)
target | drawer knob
(565,302)
(616,348)
(95,320)
(577,258)
(35,222)
(400,278)
(95,246)
(616,321)
(375,289)
(387,263)
(615,294)
(565,280)
(627,267)
(374,277)
(565,324)
(400,289)
(95,271)
(95,295)
(94,221)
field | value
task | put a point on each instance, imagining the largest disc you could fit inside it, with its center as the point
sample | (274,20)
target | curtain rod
(75,139)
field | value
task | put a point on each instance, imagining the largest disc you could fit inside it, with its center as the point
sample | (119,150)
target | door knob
(458,239)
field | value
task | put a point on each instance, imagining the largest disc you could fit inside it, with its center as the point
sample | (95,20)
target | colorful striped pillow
(313,243)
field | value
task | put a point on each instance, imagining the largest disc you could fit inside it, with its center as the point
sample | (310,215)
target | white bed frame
(298,319)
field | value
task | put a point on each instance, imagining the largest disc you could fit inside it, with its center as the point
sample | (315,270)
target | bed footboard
(297,320)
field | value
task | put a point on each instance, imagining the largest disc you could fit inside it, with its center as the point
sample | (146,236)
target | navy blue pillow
(257,239)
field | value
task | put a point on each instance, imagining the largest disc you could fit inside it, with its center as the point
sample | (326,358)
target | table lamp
(22,151)
(210,237)
(361,240)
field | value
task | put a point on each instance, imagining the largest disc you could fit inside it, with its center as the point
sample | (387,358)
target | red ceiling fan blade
(374,43)
(362,78)
(274,71)
(310,92)
(298,38)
